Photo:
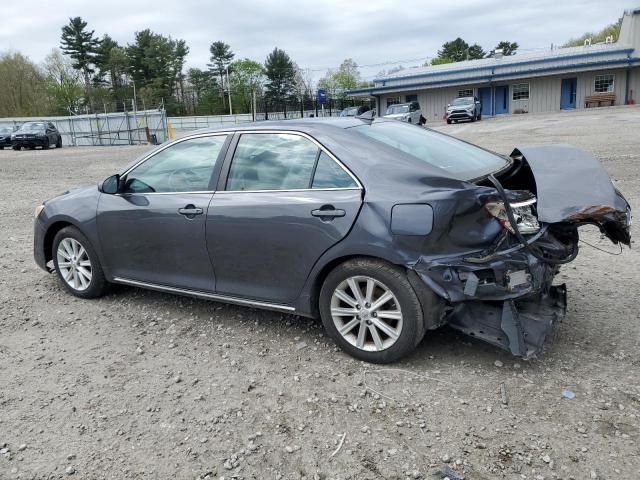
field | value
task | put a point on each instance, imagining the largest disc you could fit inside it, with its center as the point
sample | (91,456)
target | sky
(318,34)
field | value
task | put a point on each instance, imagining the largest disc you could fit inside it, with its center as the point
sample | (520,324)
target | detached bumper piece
(517,326)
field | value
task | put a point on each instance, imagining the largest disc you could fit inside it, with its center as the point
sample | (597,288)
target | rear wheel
(371,310)
(77,264)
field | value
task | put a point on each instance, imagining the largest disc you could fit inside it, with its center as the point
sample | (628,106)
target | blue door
(484,95)
(501,100)
(568,93)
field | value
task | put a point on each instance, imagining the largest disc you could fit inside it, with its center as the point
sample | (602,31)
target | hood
(572,187)
(464,106)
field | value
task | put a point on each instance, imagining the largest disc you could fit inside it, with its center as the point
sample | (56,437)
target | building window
(411,98)
(392,101)
(603,83)
(520,91)
(467,92)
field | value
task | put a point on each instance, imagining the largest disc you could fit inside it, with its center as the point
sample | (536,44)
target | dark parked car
(36,134)
(354,111)
(384,230)
(464,108)
(5,137)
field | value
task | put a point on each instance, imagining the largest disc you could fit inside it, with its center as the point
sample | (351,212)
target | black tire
(473,119)
(448,121)
(98,284)
(1,147)
(479,116)
(16,148)
(46,144)
(59,142)
(422,120)
(393,278)
(408,120)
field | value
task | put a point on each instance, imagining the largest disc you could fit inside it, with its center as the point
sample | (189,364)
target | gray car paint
(461,229)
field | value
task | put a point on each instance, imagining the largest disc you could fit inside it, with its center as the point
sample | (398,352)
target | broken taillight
(522,211)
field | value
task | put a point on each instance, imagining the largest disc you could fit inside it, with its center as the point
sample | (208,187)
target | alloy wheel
(74,264)
(366,313)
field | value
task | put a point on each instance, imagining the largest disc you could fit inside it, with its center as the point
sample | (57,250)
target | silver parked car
(406,112)
(464,108)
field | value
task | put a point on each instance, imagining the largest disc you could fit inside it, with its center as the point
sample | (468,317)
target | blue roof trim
(497,76)
(510,64)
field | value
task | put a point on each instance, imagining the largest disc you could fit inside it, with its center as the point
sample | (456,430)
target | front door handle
(327,212)
(190,211)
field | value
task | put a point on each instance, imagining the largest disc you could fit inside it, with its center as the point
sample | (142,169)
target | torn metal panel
(519,326)
(572,186)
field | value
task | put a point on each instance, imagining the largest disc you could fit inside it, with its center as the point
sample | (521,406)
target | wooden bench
(603,97)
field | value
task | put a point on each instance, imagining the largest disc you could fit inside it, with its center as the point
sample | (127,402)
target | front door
(501,100)
(281,204)
(484,94)
(154,230)
(568,90)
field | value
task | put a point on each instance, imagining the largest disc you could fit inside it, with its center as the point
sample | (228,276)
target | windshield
(5,130)
(395,109)
(349,112)
(32,126)
(460,159)
(462,101)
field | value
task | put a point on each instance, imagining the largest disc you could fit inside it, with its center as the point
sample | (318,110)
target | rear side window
(331,175)
(283,161)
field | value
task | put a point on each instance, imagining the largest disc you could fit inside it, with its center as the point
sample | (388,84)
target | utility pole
(229,92)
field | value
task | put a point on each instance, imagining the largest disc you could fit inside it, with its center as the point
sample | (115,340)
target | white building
(560,78)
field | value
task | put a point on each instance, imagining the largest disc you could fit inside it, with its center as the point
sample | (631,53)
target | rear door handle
(328,211)
(190,211)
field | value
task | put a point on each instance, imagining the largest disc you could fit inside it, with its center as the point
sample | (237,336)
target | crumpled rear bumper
(509,300)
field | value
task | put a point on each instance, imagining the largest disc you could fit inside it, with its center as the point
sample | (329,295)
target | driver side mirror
(111,185)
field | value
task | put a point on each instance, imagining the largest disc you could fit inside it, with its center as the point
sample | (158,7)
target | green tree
(112,63)
(439,61)
(221,57)
(597,37)
(23,87)
(64,83)
(155,65)
(458,50)
(508,48)
(246,79)
(81,45)
(280,72)
(345,77)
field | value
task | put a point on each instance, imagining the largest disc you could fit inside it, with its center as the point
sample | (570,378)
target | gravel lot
(146,385)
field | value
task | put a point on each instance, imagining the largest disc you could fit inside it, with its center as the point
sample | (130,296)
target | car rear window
(460,159)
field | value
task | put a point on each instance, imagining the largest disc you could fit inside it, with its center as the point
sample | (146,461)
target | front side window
(283,161)
(461,160)
(521,91)
(603,83)
(186,166)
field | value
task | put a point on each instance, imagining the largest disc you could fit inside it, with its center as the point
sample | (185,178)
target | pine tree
(81,45)
(280,72)
(221,56)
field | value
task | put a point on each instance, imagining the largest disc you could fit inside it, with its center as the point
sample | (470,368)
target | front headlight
(39,209)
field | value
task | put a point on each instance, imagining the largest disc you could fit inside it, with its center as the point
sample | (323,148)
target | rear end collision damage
(503,293)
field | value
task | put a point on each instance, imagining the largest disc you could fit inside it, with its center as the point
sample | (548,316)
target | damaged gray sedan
(384,230)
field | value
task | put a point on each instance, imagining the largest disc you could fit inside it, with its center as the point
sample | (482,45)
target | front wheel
(59,142)
(46,144)
(77,264)
(371,310)
(422,120)
(16,148)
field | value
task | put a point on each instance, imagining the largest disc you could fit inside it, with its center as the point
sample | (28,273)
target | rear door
(282,201)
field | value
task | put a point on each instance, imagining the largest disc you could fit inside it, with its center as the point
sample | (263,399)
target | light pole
(229,91)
